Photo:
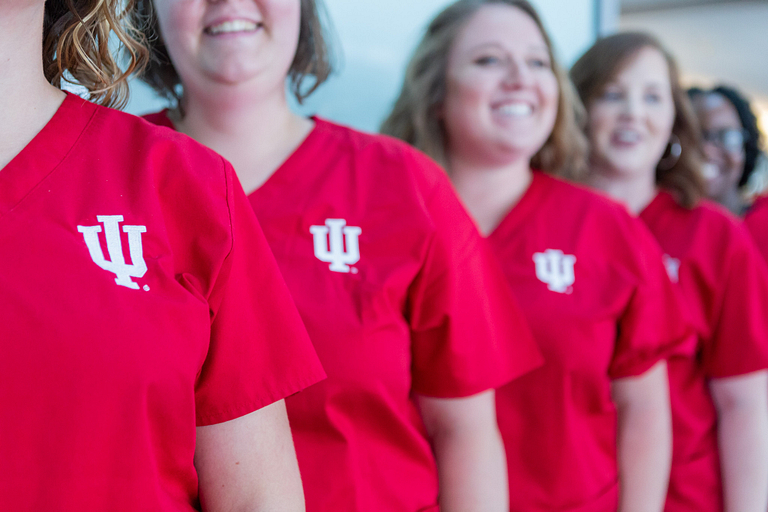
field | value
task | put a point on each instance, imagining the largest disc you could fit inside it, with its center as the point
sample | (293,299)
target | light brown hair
(600,64)
(416,118)
(313,57)
(76,48)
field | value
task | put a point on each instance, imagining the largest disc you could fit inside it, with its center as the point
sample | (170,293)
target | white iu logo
(340,235)
(673,268)
(555,269)
(117,265)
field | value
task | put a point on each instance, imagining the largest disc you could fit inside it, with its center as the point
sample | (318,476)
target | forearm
(645,453)
(743,439)
(249,464)
(472,467)
(473,472)
(644,444)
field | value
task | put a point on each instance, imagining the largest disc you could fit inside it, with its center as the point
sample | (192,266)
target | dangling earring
(672,154)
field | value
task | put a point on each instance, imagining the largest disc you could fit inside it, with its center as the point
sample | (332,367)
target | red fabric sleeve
(756,222)
(655,325)
(468,334)
(259,351)
(739,343)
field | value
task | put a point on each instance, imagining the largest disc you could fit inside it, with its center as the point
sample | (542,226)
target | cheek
(663,121)
(284,18)
(463,99)
(179,24)
(600,124)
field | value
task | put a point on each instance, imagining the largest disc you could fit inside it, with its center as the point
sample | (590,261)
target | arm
(249,464)
(644,439)
(470,454)
(742,409)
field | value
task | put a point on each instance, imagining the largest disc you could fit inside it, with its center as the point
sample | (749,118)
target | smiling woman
(312,60)
(403,302)
(719,392)
(590,429)
(145,369)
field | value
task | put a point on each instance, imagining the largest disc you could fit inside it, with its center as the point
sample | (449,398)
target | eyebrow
(500,47)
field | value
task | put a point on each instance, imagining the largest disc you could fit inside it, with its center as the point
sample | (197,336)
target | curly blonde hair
(416,119)
(76,49)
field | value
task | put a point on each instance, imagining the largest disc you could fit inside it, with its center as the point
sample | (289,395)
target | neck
(635,191)
(733,201)
(27,100)
(255,132)
(489,191)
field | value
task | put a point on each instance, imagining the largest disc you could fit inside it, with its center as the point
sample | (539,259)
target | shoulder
(149,148)
(583,202)
(382,154)
(715,221)
(758,210)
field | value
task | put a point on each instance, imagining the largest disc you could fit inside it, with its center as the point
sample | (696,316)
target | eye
(653,97)
(539,63)
(611,95)
(487,60)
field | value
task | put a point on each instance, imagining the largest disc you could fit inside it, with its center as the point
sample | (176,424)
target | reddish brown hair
(607,57)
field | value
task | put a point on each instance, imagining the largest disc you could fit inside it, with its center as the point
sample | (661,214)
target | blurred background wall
(374,40)
(715,42)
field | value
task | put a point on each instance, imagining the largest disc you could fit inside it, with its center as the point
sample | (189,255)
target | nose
(633,107)
(517,74)
(711,151)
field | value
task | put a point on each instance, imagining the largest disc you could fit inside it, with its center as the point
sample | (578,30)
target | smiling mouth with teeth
(515,109)
(229,27)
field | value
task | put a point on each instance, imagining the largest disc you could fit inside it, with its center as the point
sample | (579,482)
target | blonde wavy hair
(76,46)
(416,118)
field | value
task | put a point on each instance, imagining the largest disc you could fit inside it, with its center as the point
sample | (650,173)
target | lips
(232,27)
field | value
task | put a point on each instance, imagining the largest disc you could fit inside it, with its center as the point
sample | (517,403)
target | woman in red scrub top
(646,153)
(409,315)
(589,430)
(144,355)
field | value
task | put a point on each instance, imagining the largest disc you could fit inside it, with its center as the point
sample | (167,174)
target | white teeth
(228,27)
(709,171)
(629,136)
(515,109)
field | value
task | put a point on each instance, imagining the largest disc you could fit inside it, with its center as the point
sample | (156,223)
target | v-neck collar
(525,206)
(305,150)
(661,202)
(43,154)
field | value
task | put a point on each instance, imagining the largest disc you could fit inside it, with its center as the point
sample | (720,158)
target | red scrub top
(400,295)
(756,221)
(132,312)
(592,285)
(725,286)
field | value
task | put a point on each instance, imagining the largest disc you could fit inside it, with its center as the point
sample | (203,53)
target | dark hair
(602,62)
(415,115)
(312,59)
(76,36)
(753,141)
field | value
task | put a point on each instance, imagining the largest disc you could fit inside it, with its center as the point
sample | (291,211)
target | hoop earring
(671,154)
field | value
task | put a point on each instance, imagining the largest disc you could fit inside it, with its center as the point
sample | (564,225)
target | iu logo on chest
(555,269)
(337,244)
(116,263)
